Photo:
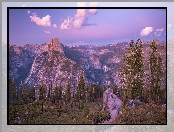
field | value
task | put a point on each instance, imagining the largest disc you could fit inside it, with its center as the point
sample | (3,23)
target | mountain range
(53,63)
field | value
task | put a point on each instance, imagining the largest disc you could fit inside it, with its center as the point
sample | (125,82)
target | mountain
(98,63)
(54,69)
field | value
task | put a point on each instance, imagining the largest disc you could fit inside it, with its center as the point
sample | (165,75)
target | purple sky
(72,26)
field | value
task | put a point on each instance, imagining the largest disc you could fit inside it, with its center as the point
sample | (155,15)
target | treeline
(84,93)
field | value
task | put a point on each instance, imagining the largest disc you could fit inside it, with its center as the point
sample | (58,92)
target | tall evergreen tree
(68,93)
(42,91)
(58,93)
(80,90)
(138,71)
(12,85)
(156,74)
(24,92)
(131,72)
(126,73)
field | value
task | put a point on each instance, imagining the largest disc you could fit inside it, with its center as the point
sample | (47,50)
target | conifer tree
(131,72)
(87,94)
(58,94)
(138,71)
(24,92)
(12,86)
(126,73)
(80,90)
(42,91)
(14,89)
(156,74)
(68,93)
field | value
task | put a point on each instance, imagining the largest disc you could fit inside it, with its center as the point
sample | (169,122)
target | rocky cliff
(54,69)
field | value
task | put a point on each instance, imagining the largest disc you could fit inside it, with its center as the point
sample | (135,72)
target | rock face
(54,69)
(112,104)
(55,45)
(20,62)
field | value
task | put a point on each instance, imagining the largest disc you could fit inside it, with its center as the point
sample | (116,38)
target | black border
(8,8)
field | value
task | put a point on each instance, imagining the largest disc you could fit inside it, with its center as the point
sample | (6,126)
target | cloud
(23,5)
(93,4)
(80,19)
(28,12)
(54,25)
(67,23)
(146,31)
(45,21)
(47,31)
(169,25)
(159,32)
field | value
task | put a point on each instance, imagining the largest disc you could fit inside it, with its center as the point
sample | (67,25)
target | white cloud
(93,11)
(169,25)
(67,23)
(80,18)
(23,5)
(93,4)
(28,12)
(54,25)
(159,32)
(78,22)
(45,21)
(146,31)
(47,31)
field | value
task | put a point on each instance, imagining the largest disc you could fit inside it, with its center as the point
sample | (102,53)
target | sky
(84,26)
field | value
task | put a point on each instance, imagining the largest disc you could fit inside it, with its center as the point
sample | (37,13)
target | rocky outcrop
(54,44)
(53,70)
(95,59)
(112,104)
(20,63)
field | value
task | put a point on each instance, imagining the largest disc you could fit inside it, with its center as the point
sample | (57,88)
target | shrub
(144,114)
(99,116)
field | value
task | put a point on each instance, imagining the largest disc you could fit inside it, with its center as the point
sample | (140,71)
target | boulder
(112,104)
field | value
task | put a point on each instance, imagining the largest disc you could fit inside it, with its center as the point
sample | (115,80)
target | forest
(33,105)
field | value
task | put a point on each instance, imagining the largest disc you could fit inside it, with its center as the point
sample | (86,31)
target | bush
(144,114)
(99,116)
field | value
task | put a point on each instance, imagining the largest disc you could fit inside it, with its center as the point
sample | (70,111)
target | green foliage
(80,90)
(131,72)
(68,93)
(144,114)
(58,93)
(99,116)
(12,85)
(42,91)
(156,74)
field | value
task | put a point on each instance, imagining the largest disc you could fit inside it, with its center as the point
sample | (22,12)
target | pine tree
(126,73)
(42,91)
(80,90)
(12,85)
(87,94)
(68,93)
(58,94)
(24,92)
(138,71)
(156,74)
(131,72)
